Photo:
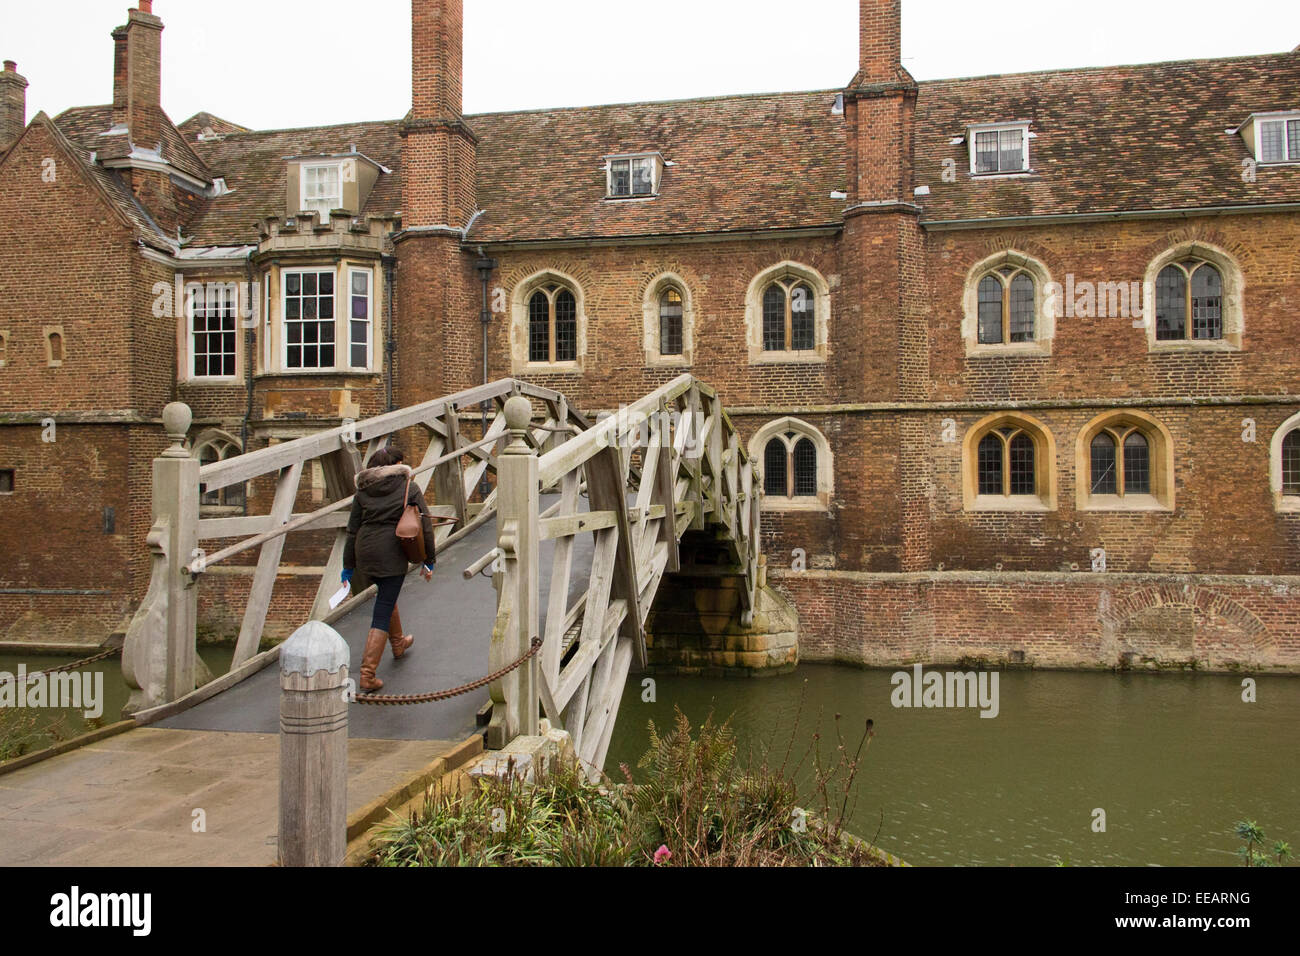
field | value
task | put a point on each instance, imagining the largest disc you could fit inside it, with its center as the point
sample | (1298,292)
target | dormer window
(322,188)
(633,176)
(1277,137)
(999,149)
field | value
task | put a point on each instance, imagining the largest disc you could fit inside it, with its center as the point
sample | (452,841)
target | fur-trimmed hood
(370,477)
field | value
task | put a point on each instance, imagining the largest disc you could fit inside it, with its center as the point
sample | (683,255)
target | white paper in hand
(340,595)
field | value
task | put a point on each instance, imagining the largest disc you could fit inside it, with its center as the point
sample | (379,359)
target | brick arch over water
(1154,617)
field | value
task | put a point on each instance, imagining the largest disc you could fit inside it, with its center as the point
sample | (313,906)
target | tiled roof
(85,124)
(1109,139)
(80,127)
(739,163)
(197,123)
(1106,140)
(253,165)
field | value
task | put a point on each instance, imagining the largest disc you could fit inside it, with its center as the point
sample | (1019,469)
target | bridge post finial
(516,696)
(314,698)
(519,415)
(158,658)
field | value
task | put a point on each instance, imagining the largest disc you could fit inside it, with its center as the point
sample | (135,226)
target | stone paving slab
(130,800)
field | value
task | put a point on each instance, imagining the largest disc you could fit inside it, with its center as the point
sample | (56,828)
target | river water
(71,722)
(1173,760)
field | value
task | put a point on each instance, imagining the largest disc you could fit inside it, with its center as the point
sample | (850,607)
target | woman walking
(384,489)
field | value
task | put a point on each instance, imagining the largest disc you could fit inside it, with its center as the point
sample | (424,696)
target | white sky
(279,63)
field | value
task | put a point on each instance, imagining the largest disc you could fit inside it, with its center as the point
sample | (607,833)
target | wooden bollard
(314,693)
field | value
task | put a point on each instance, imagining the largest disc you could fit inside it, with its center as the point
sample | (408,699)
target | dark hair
(385,457)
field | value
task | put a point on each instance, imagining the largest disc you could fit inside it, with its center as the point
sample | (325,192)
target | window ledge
(1195,345)
(631,198)
(793,504)
(1025,503)
(673,361)
(806,357)
(1287,504)
(1114,503)
(213,380)
(1038,349)
(303,372)
(1018,174)
(550,368)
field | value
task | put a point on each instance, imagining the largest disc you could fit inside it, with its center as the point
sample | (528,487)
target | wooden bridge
(576,522)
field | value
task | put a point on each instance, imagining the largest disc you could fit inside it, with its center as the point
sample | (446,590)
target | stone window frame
(1161,447)
(1045,500)
(218,439)
(1282,503)
(821,501)
(650,321)
(1232,309)
(4,348)
(204,288)
(519,323)
(821,289)
(1045,306)
(48,334)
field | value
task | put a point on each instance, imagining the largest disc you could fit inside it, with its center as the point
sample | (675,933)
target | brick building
(1012,350)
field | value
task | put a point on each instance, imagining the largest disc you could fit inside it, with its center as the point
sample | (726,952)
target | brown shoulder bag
(410,530)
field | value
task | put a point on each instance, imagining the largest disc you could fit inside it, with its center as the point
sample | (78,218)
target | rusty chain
(111,652)
(394,699)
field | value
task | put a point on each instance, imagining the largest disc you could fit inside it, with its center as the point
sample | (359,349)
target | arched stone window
(549,328)
(668,319)
(1008,307)
(787,315)
(797,470)
(1194,291)
(1284,466)
(210,448)
(1124,462)
(1009,465)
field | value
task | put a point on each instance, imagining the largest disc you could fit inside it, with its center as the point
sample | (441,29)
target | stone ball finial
(519,413)
(177,419)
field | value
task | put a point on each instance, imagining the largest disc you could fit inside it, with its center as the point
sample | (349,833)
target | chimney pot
(146,6)
(13,105)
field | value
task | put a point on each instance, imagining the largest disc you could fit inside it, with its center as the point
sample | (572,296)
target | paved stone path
(130,800)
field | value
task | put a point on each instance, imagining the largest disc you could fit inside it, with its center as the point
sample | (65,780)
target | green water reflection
(1174,760)
(71,722)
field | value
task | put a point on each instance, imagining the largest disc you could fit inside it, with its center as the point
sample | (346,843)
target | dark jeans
(386,600)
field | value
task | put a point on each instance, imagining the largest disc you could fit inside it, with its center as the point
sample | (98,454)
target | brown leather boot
(401,642)
(370,657)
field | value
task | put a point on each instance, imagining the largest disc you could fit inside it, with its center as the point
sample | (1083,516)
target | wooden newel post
(158,659)
(314,695)
(516,696)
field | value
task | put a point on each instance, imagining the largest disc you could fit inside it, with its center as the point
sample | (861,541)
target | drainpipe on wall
(250,350)
(485,266)
(390,345)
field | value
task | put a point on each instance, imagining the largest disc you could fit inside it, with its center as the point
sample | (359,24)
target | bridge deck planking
(451,619)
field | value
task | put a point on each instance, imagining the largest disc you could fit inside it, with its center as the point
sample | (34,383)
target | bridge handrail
(233,471)
(303,521)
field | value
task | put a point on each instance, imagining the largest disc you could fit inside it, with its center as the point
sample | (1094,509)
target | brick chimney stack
(137,76)
(437,57)
(440,153)
(13,105)
(880,41)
